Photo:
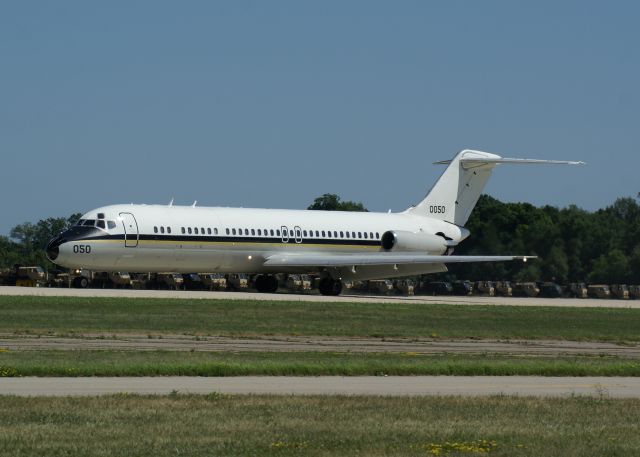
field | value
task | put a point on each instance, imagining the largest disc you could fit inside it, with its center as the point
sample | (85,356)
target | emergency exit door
(131,234)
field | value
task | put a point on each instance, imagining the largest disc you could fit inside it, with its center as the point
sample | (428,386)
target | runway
(345,298)
(329,385)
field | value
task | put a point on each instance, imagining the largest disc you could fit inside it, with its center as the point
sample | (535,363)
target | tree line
(573,245)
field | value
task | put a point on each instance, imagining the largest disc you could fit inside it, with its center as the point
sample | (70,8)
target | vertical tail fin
(458,189)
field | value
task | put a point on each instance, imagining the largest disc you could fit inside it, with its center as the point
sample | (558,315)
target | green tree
(331,202)
(610,268)
(31,239)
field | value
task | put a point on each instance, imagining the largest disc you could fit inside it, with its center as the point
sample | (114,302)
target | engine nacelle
(400,240)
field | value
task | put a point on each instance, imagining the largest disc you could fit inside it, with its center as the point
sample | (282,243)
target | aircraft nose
(53,248)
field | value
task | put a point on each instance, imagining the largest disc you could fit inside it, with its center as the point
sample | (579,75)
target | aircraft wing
(379,258)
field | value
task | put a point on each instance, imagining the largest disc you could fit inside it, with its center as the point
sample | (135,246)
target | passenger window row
(304,233)
(162,229)
(199,231)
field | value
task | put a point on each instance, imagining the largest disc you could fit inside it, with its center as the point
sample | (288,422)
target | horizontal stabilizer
(496,160)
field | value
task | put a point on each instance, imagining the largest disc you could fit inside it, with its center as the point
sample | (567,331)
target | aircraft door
(285,234)
(298,234)
(131,234)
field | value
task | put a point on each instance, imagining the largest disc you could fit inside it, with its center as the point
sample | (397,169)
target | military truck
(405,286)
(23,276)
(214,281)
(620,291)
(171,281)
(111,280)
(298,283)
(634,291)
(550,290)
(192,281)
(504,288)
(436,288)
(578,290)
(486,288)
(526,289)
(380,286)
(238,281)
(599,291)
(462,287)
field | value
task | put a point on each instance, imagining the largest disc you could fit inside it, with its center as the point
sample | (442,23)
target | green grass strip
(161,363)
(250,317)
(220,425)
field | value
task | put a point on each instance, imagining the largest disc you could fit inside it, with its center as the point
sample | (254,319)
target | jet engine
(400,240)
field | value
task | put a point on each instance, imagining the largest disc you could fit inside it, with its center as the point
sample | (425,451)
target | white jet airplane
(337,245)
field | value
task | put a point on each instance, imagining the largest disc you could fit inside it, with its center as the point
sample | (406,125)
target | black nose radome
(53,248)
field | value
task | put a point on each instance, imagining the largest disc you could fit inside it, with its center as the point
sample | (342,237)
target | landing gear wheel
(266,284)
(80,282)
(330,286)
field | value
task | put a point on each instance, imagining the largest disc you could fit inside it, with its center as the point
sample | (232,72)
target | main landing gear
(330,286)
(266,283)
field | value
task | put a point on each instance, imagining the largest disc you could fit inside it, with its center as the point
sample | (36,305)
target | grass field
(165,363)
(318,426)
(65,315)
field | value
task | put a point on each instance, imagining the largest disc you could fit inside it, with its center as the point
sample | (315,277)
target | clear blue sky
(271,104)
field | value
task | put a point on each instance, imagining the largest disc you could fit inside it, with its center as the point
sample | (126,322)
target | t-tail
(458,189)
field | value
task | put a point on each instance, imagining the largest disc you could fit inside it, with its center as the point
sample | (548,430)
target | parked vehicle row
(35,276)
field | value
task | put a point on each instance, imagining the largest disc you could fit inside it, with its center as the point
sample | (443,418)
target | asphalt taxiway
(329,385)
(345,298)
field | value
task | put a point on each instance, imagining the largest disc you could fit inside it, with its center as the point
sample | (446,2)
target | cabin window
(182,229)
(168,229)
(323,234)
(195,230)
(215,231)
(189,230)
(359,234)
(246,231)
(347,233)
(317,234)
(304,233)
(335,234)
(365,235)
(271,232)
(111,225)
(353,234)
(253,232)
(155,229)
(100,215)
(259,232)
(227,231)
(100,224)
(161,229)
(278,232)
(377,235)
(341,234)
(233,231)
(329,234)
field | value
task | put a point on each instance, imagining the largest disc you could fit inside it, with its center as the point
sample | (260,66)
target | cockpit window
(90,222)
(111,225)
(100,224)
(80,222)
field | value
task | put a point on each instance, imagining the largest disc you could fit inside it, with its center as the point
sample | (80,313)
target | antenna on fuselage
(171,202)
(194,203)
